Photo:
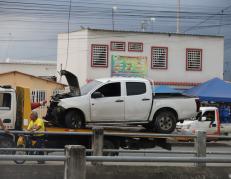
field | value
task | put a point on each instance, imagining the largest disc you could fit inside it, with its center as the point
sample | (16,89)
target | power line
(208,18)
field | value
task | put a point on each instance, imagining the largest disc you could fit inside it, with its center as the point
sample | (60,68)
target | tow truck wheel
(18,152)
(108,144)
(165,122)
(74,120)
(6,142)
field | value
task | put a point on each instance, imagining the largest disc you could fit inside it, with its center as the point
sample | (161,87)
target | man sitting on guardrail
(37,125)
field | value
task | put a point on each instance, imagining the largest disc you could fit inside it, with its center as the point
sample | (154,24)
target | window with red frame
(99,55)
(159,57)
(135,46)
(118,46)
(193,59)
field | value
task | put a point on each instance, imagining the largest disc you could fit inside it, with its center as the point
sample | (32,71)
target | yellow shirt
(34,124)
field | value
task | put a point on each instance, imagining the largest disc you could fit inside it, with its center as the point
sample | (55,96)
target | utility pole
(178,17)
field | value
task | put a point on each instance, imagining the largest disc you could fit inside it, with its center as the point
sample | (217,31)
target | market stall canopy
(165,89)
(215,90)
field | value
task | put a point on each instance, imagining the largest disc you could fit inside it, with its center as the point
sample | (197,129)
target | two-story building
(178,60)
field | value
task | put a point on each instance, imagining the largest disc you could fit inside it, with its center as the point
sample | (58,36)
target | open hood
(72,81)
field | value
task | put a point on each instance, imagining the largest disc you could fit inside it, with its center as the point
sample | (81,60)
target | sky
(29,28)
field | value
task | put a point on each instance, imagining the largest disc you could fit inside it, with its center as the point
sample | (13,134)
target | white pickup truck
(208,119)
(119,101)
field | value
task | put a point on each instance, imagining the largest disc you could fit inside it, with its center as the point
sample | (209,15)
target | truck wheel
(110,145)
(165,122)
(74,120)
(20,153)
(6,142)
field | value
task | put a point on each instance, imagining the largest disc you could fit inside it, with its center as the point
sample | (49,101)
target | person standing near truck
(37,125)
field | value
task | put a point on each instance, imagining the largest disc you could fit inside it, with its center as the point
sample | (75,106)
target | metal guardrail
(119,159)
(117,151)
(50,133)
(120,134)
(158,159)
(75,156)
(37,149)
(32,157)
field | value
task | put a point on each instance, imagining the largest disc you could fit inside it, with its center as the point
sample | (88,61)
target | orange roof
(18,72)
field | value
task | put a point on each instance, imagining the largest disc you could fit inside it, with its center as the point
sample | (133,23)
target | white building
(167,58)
(32,67)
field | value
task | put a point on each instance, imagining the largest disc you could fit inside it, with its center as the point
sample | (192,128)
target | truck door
(110,106)
(6,109)
(138,101)
(211,121)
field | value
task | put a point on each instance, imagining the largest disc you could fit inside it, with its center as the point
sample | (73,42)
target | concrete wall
(115,172)
(212,55)
(80,54)
(34,84)
(77,54)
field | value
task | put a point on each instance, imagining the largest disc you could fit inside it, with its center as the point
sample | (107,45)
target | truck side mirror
(97,94)
(202,119)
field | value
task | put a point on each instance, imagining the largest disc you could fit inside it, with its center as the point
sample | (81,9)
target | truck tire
(6,142)
(20,153)
(108,144)
(165,122)
(74,120)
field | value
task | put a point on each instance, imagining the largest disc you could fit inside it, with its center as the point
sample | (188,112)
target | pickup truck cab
(121,101)
(208,119)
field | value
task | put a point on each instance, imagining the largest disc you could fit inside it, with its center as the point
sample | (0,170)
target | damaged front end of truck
(56,113)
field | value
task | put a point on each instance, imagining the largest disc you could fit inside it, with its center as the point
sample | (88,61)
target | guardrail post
(200,147)
(75,163)
(97,142)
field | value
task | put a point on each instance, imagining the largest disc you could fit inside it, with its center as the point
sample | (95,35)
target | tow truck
(15,109)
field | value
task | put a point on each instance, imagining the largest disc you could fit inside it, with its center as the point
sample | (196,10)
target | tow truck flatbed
(114,138)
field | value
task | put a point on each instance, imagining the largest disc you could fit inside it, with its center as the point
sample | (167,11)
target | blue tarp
(165,89)
(215,90)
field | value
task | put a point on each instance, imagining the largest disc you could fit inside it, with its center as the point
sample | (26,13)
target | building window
(38,96)
(159,57)
(135,46)
(99,55)
(118,46)
(194,59)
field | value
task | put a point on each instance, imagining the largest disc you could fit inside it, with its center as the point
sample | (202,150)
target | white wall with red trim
(176,73)
(77,59)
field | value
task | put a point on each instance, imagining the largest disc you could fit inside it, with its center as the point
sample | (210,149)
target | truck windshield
(89,86)
(5,100)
